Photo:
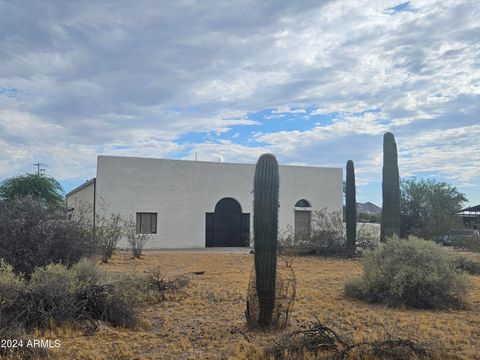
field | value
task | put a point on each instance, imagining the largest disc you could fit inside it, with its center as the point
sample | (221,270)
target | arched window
(303,219)
(228,205)
(302,203)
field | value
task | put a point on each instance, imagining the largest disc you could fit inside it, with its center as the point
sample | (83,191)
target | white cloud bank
(135,78)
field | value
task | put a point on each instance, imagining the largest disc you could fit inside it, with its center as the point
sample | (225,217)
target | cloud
(314,82)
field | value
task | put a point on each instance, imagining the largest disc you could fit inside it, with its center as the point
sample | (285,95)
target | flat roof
(78,188)
(212,162)
(471,208)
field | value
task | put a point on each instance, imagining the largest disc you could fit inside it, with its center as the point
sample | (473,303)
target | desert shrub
(11,285)
(468,265)
(50,296)
(12,288)
(53,279)
(34,235)
(76,293)
(55,294)
(288,247)
(411,272)
(177,283)
(328,235)
(135,240)
(158,280)
(103,302)
(135,289)
(370,218)
(319,341)
(40,310)
(108,230)
(148,288)
(85,273)
(327,238)
(368,238)
(466,242)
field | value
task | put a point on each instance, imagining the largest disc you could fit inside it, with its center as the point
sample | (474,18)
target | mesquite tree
(350,209)
(390,189)
(265,226)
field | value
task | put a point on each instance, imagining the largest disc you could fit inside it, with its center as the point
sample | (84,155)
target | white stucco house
(196,204)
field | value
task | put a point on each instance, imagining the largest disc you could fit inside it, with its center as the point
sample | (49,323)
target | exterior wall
(181,192)
(82,199)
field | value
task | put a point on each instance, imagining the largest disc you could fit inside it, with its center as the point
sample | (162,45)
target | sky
(313,82)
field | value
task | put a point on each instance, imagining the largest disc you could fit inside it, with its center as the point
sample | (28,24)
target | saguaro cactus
(350,209)
(265,227)
(390,189)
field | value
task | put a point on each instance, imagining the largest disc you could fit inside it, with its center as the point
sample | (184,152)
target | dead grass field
(206,320)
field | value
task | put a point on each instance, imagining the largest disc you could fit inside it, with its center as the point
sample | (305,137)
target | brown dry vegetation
(206,319)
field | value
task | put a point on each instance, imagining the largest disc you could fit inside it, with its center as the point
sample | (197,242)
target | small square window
(146,223)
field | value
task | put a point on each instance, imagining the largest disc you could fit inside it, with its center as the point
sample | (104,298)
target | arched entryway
(227,225)
(303,219)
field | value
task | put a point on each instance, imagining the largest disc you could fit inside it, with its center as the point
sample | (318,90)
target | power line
(38,167)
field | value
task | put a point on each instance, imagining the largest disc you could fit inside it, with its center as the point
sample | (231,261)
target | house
(470,216)
(196,204)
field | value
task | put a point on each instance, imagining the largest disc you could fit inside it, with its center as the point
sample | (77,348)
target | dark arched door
(227,226)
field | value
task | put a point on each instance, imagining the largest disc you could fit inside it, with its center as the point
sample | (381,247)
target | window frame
(153,222)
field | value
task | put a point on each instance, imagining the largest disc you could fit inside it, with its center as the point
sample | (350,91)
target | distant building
(195,204)
(470,216)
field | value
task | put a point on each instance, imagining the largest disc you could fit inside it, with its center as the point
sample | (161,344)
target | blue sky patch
(272,120)
(403,7)
(9,92)
(269,121)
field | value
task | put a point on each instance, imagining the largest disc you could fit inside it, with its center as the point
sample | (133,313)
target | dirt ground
(206,319)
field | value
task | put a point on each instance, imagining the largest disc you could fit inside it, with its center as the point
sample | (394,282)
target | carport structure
(470,215)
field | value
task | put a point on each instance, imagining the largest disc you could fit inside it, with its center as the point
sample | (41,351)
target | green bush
(148,288)
(56,294)
(33,235)
(468,265)
(52,280)
(50,296)
(102,302)
(327,238)
(368,238)
(86,273)
(328,234)
(108,231)
(412,273)
(11,285)
(135,240)
(45,298)
(466,242)
(135,289)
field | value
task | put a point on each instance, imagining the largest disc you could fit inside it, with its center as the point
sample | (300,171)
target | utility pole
(38,165)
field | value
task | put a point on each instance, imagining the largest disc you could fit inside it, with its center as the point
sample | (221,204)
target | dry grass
(206,320)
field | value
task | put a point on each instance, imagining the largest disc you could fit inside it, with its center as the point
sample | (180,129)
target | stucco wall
(181,192)
(81,200)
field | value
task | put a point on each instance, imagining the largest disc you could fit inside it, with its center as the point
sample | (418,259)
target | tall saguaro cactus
(265,227)
(351,209)
(390,189)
